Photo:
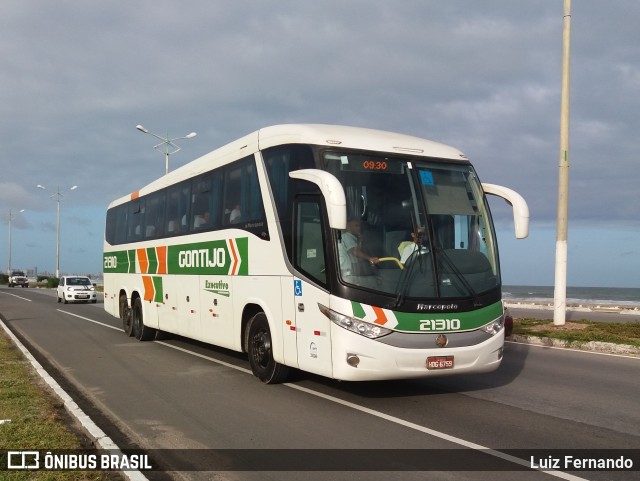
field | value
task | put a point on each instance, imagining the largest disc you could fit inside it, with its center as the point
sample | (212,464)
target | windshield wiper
(459,275)
(405,278)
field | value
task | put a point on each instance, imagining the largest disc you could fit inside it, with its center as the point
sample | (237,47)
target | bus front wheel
(140,331)
(260,351)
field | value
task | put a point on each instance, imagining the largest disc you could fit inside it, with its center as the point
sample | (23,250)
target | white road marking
(91,320)
(14,295)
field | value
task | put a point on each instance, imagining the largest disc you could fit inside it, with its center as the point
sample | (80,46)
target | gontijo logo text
(221,257)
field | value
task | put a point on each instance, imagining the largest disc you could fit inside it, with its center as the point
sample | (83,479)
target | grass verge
(33,419)
(581,332)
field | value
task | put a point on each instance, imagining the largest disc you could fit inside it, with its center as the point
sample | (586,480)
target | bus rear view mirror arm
(332,192)
(517,202)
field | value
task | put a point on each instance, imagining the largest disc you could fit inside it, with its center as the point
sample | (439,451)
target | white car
(76,289)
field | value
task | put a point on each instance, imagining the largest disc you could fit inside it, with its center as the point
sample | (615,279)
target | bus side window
(177,209)
(242,194)
(118,217)
(309,242)
(232,192)
(155,205)
(135,221)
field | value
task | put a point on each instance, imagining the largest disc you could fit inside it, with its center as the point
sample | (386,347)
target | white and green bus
(249,248)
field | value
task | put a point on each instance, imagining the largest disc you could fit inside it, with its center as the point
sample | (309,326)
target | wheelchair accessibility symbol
(297,288)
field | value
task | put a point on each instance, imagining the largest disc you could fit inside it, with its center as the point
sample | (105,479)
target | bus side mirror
(517,202)
(332,192)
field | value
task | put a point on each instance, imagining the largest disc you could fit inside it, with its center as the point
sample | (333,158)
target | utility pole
(560,291)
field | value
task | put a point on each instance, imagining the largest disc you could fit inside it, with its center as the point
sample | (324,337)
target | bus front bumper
(356,358)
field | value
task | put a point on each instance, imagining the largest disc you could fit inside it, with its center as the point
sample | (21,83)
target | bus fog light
(353,360)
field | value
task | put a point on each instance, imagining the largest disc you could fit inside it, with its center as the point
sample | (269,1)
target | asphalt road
(177,394)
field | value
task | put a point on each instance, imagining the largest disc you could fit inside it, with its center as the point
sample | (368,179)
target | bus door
(179,312)
(168,310)
(310,287)
(216,313)
(188,305)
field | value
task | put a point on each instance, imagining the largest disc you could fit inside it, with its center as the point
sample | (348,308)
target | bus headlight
(366,329)
(494,327)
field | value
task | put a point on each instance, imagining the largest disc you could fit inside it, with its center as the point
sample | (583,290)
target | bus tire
(260,352)
(127,316)
(140,331)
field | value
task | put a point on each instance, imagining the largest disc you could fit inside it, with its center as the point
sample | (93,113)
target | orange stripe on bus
(381,317)
(149,290)
(143,260)
(232,248)
(161,254)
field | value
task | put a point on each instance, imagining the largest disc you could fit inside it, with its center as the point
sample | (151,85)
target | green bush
(4,279)
(52,282)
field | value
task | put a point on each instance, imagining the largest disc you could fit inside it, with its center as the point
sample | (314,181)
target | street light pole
(560,285)
(11,217)
(58,196)
(166,144)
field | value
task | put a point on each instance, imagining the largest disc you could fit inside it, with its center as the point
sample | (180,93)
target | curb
(593,346)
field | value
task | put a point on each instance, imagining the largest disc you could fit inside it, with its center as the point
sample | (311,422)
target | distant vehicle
(246,248)
(17,278)
(76,289)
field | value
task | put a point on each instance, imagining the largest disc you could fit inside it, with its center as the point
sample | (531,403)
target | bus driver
(351,253)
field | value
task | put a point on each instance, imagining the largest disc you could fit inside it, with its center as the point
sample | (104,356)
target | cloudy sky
(77,77)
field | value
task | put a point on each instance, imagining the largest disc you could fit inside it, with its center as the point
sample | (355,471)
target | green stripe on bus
(132,261)
(358,311)
(157,285)
(220,257)
(469,321)
(152,257)
(418,322)
(116,262)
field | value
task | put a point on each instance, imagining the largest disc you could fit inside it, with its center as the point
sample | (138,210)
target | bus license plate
(440,362)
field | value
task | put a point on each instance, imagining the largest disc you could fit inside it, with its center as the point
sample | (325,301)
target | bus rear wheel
(260,351)
(140,331)
(127,316)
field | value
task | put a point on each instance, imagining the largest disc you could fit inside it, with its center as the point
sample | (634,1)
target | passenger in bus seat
(201,221)
(408,248)
(235,214)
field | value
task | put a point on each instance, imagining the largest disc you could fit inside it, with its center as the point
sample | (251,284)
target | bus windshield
(420,229)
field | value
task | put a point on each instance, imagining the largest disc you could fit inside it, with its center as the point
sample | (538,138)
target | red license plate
(440,362)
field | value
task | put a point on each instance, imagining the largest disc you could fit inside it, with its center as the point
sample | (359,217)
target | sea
(614,296)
